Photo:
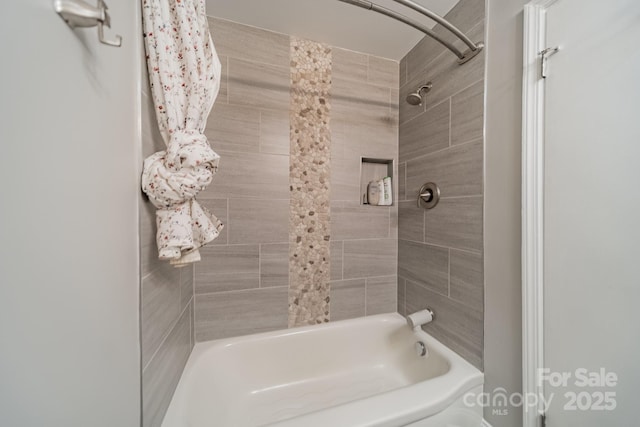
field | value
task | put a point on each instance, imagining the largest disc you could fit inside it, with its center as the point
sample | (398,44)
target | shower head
(415,98)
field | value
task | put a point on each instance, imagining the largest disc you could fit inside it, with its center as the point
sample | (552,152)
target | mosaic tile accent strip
(309,177)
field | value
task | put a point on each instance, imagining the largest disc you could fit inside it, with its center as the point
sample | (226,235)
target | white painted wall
(503,336)
(69,286)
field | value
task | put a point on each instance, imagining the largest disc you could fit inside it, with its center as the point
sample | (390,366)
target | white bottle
(382,201)
(387,199)
(373,193)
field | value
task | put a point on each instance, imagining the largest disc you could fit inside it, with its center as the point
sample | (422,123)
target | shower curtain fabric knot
(184,75)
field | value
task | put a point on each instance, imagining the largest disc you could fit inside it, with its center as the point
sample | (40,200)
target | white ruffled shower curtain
(184,71)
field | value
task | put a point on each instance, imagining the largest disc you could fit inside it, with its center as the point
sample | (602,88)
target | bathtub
(353,373)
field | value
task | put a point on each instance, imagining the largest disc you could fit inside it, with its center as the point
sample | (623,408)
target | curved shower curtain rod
(474,48)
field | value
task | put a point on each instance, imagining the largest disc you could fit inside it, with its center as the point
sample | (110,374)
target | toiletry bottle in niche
(373,193)
(387,197)
(381,187)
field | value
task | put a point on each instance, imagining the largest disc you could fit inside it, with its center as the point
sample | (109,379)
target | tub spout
(419,318)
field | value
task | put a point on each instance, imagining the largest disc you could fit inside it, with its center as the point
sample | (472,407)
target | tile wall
(242,283)
(364,244)
(440,250)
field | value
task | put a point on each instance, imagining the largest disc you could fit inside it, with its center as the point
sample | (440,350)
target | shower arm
(474,48)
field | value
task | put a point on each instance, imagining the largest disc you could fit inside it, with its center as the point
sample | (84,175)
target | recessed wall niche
(373,170)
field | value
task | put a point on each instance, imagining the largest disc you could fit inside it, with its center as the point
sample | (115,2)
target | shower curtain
(184,72)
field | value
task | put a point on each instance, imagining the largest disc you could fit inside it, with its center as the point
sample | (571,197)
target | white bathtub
(354,373)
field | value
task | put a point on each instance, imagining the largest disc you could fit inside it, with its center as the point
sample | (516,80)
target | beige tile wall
(166,299)
(440,250)
(364,238)
(241,284)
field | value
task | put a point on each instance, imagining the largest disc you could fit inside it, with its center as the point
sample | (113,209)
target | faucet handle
(428,196)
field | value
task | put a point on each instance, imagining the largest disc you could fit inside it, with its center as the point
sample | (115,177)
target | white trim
(533,203)
(485,423)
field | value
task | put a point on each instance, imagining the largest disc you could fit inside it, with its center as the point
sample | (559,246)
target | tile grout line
(261,64)
(435,245)
(266,109)
(365,278)
(247,244)
(347,80)
(364,239)
(469,141)
(227,79)
(260,132)
(450,118)
(241,291)
(391,104)
(396,295)
(247,151)
(366,286)
(424,111)
(164,337)
(228,222)
(427,287)
(342,273)
(405,181)
(465,305)
(368,70)
(461,198)
(228,85)
(449,273)
(467,87)
(210,18)
(424,226)
(404,303)
(260,266)
(422,156)
(473,196)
